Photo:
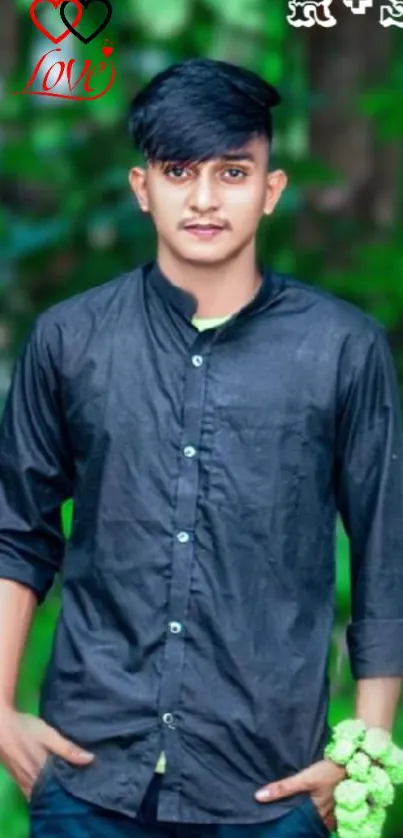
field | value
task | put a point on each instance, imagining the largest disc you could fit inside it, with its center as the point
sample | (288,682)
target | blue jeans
(54,813)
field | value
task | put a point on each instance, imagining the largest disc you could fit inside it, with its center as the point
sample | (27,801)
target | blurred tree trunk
(343,61)
(8,38)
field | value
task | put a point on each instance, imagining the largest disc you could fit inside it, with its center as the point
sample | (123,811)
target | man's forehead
(248,151)
(242,154)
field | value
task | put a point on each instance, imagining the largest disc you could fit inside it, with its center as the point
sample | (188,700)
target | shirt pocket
(256,459)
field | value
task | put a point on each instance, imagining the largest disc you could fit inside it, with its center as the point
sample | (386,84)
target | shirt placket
(182,563)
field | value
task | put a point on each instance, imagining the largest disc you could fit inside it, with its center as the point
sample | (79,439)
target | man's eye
(174,169)
(175,172)
(237,171)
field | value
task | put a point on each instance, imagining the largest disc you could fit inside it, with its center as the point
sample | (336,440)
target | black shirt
(198,584)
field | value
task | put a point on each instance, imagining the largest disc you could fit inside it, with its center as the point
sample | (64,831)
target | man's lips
(205,231)
(200,226)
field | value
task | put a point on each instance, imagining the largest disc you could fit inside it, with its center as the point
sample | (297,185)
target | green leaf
(248,14)
(168,21)
(26,238)
(383,105)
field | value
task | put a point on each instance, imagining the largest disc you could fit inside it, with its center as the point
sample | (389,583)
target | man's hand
(319,779)
(26,741)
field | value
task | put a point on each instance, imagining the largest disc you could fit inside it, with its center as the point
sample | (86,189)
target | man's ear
(276,183)
(138,185)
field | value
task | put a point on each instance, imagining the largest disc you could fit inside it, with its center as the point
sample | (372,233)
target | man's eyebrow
(240,156)
(230,157)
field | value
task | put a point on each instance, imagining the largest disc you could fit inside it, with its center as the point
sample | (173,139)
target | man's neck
(220,290)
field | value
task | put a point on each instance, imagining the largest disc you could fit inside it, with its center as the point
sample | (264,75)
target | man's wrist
(377,700)
(5,709)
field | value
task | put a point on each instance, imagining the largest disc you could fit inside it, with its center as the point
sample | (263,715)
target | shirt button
(175,627)
(183,537)
(197,360)
(167,718)
(189,451)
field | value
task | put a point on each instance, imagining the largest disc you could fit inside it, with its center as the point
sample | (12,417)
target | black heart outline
(86,3)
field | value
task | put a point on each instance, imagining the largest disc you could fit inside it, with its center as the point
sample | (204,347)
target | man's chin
(209,255)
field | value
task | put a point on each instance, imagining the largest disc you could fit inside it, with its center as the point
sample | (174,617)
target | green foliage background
(68,221)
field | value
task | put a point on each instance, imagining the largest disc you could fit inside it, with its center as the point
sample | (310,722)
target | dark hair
(199,109)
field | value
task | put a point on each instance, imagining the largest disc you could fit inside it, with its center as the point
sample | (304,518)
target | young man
(209,417)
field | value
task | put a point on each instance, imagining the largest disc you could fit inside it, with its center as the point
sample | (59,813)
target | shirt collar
(184,302)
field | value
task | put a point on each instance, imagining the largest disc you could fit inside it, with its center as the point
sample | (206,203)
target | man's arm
(36,476)
(17,606)
(36,466)
(369,496)
(369,491)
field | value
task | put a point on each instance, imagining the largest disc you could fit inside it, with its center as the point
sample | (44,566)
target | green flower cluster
(374,764)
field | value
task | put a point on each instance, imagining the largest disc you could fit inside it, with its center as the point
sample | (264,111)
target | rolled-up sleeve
(369,492)
(36,468)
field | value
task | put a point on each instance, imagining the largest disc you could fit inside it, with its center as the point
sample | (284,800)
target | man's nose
(204,195)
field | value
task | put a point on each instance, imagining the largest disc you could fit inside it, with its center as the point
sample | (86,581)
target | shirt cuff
(375,648)
(35,577)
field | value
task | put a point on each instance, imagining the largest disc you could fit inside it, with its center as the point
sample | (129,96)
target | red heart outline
(55,4)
